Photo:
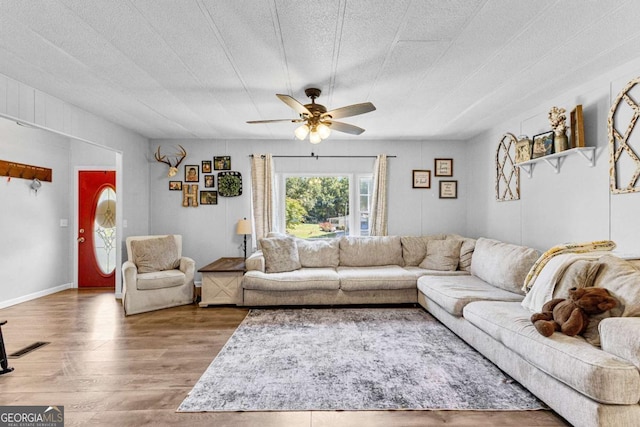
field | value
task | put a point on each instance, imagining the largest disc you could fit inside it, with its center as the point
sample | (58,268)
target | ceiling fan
(316,121)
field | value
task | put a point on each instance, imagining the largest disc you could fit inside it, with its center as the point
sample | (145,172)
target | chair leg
(4,364)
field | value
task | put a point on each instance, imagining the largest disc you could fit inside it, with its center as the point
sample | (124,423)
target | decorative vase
(560,142)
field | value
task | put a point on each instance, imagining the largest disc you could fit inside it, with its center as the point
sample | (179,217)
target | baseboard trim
(29,297)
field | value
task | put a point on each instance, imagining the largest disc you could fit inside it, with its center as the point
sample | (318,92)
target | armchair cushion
(160,280)
(156,254)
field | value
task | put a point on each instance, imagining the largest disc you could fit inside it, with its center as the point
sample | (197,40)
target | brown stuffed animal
(571,315)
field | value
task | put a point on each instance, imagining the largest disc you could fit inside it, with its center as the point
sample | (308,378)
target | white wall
(209,231)
(572,206)
(37,255)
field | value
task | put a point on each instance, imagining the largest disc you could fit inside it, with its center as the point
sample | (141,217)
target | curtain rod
(317,156)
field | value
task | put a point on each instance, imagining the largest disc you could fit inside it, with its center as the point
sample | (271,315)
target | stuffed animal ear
(608,304)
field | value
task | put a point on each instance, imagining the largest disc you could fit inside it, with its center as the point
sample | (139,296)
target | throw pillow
(280,254)
(414,248)
(466,251)
(155,254)
(621,279)
(580,274)
(443,255)
(319,252)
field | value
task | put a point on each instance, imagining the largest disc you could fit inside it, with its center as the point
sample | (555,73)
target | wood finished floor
(115,371)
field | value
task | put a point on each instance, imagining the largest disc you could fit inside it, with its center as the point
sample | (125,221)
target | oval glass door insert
(104,231)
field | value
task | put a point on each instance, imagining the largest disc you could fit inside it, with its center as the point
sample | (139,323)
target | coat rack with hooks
(20,170)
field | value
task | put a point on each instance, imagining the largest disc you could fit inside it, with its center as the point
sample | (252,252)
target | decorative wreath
(229,184)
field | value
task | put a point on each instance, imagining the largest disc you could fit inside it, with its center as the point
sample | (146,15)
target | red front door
(96,229)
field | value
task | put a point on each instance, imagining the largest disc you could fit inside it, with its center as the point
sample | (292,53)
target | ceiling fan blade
(275,121)
(291,102)
(350,110)
(344,127)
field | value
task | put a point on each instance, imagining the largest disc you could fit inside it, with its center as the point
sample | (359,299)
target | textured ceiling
(200,68)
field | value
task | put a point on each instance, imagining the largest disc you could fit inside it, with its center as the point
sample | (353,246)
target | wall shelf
(556,160)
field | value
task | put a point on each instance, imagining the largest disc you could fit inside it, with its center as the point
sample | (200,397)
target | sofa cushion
(319,252)
(159,280)
(280,254)
(302,279)
(414,248)
(419,272)
(442,255)
(453,293)
(502,264)
(370,251)
(155,254)
(622,279)
(587,369)
(380,277)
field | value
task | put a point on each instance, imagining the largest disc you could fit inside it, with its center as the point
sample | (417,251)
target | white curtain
(378,214)
(262,192)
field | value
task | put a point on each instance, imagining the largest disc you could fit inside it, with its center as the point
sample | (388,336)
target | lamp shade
(243,227)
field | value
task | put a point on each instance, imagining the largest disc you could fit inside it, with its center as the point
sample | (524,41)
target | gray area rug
(351,359)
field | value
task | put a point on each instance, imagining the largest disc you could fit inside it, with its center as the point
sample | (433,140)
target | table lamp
(244,228)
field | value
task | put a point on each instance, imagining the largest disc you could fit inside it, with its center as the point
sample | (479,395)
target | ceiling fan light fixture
(314,137)
(301,132)
(323,130)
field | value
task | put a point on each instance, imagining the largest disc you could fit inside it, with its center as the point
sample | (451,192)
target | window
(365,186)
(321,205)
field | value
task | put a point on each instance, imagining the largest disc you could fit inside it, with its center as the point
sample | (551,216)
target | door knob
(80,239)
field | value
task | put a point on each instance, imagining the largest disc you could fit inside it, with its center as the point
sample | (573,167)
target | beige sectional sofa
(347,270)
(481,301)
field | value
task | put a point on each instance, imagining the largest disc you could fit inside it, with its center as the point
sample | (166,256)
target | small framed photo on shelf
(443,167)
(206,166)
(222,163)
(542,145)
(208,197)
(421,179)
(175,185)
(448,189)
(577,127)
(209,181)
(523,149)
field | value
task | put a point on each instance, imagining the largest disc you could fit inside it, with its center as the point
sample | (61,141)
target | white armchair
(156,274)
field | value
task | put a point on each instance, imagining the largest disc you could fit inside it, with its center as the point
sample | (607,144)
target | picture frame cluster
(208,172)
(442,167)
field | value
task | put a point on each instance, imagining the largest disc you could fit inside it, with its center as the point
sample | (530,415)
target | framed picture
(448,189)
(577,127)
(206,166)
(421,179)
(443,167)
(208,197)
(209,181)
(523,149)
(192,173)
(175,185)
(542,145)
(222,163)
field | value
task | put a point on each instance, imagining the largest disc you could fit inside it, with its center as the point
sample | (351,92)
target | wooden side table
(221,281)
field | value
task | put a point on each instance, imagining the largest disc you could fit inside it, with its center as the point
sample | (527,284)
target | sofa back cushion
(503,265)
(280,254)
(414,248)
(155,254)
(370,251)
(319,252)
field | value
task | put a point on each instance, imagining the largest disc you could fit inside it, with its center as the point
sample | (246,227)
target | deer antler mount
(177,158)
